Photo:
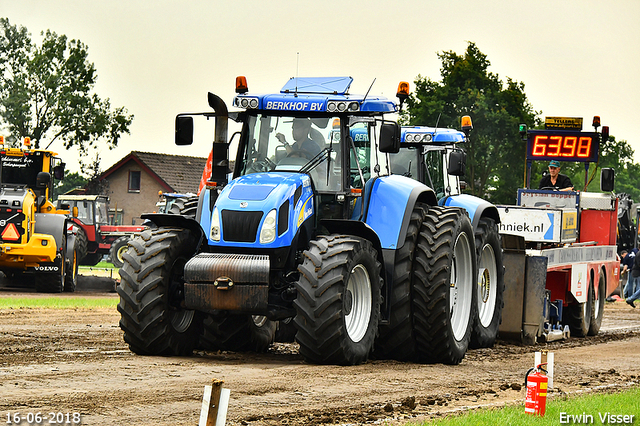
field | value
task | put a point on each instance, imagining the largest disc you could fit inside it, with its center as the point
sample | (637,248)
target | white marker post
(542,357)
(215,402)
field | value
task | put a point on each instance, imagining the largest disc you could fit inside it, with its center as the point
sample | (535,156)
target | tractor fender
(174,220)
(475,207)
(51,224)
(389,201)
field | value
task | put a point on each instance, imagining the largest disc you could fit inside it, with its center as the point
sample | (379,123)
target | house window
(116,217)
(134,181)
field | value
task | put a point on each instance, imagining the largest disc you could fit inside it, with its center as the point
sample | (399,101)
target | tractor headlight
(246,102)
(215,226)
(268,231)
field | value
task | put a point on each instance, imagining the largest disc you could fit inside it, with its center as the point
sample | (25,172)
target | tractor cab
(431,155)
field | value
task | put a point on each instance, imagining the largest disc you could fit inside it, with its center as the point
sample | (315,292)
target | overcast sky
(158,58)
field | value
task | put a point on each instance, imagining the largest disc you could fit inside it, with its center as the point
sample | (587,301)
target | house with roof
(133,183)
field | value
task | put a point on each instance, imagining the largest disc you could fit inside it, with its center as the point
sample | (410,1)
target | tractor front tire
(444,279)
(338,302)
(151,293)
(489,291)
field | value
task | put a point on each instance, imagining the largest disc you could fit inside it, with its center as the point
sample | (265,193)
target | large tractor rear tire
(396,339)
(489,291)
(444,279)
(118,248)
(338,302)
(238,333)
(151,293)
(579,314)
(82,243)
(185,206)
(598,309)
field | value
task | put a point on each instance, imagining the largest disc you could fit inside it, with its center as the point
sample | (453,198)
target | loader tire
(52,283)
(579,314)
(185,207)
(396,338)
(338,302)
(71,275)
(238,333)
(445,272)
(151,293)
(598,305)
(118,248)
(489,291)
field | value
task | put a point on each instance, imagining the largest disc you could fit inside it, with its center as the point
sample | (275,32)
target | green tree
(46,92)
(71,181)
(495,152)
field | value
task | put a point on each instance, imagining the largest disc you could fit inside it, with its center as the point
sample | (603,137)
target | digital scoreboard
(562,145)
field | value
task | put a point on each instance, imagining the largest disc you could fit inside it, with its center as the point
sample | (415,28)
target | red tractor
(96,237)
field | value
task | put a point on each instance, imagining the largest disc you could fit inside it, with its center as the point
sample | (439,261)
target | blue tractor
(433,156)
(312,228)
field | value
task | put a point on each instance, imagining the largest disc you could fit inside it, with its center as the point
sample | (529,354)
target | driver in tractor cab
(303,146)
(555,179)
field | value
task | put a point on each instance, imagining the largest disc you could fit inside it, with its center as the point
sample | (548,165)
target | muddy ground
(76,361)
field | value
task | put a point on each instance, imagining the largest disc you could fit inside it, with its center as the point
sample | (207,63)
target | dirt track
(76,361)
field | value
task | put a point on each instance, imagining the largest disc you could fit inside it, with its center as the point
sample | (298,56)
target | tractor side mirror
(607,179)
(390,138)
(457,163)
(74,212)
(43,180)
(184,130)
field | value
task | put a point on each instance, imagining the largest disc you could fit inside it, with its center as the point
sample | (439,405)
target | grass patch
(99,265)
(58,302)
(595,405)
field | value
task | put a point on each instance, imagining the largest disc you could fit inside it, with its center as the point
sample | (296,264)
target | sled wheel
(598,308)
(338,302)
(443,284)
(579,314)
(490,285)
(151,293)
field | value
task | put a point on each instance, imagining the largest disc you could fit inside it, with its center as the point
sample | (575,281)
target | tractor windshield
(405,162)
(102,218)
(279,143)
(21,170)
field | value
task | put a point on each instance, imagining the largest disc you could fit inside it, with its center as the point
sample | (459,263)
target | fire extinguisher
(536,383)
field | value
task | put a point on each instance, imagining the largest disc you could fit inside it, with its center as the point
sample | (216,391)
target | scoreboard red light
(562,145)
